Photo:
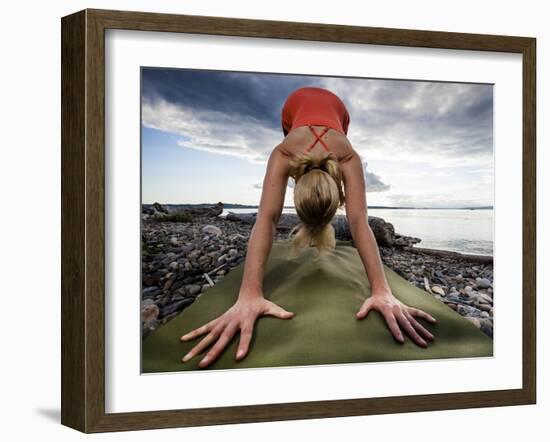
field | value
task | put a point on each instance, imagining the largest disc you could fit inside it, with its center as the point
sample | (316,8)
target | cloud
(373,183)
(290,184)
(419,121)
(434,200)
(448,126)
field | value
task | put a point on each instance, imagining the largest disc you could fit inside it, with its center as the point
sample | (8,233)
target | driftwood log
(159,211)
(384,232)
(480,259)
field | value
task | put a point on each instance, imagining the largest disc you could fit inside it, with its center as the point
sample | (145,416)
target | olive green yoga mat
(324,295)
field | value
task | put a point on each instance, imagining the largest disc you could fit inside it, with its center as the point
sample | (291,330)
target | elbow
(271,220)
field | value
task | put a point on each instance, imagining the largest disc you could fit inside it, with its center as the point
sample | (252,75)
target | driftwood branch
(481,259)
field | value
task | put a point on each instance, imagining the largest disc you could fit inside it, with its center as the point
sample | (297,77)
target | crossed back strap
(318,138)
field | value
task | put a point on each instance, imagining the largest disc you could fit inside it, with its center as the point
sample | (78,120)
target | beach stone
(173,265)
(147,302)
(150,292)
(437,289)
(485,307)
(175,307)
(487,327)
(149,312)
(474,321)
(193,289)
(214,230)
(483,283)
(167,285)
(466,310)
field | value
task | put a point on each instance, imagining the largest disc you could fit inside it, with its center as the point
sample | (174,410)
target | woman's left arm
(397,315)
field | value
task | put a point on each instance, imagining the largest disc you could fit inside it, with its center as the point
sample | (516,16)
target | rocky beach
(187,250)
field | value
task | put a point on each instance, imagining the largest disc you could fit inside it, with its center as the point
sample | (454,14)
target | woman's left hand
(398,316)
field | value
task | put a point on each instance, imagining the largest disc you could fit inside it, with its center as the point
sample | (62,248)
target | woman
(328,174)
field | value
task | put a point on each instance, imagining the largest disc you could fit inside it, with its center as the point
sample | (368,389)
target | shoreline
(180,260)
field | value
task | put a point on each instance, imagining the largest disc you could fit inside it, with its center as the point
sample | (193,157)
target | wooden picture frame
(83,219)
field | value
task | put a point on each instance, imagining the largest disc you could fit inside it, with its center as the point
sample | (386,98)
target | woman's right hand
(241,316)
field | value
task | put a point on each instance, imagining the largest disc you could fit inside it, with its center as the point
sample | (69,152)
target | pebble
(474,321)
(212,229)
(483,283)
(438,290)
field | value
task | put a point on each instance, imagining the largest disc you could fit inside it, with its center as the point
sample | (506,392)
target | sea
(459,230)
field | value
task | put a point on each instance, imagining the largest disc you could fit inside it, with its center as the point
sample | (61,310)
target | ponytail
(318,194)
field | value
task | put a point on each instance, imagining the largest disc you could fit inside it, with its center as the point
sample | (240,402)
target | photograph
(298,220)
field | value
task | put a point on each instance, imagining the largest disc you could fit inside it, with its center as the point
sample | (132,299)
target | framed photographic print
(266,220)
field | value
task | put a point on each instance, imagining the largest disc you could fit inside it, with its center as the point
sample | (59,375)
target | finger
(404,322)
(394,327)
(419,328)
(421,314)
(364,310)
(199,331)
(205,342)
(278,311)
(246,337)
(222,342)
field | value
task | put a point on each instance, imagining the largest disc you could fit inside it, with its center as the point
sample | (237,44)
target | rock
(150,292)
(175,307)
(173,265)
(214,230)
(467,310)
(437,289)
(149,312)
(147,302)
(193,289)
(487,327)
(485,307)
(483,283)
(474,321)
(160,208)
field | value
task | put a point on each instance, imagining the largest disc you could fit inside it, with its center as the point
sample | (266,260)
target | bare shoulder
(278,161)
(347,152)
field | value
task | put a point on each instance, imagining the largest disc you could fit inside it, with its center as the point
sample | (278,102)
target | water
(458,230)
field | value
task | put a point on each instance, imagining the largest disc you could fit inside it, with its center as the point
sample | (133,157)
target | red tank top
(308,106)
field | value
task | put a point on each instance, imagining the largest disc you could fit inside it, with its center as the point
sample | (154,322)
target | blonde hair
(318,194)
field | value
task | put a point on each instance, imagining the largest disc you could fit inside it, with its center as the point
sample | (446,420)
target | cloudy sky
(206,136)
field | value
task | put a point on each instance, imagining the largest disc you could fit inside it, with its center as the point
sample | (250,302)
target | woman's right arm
(250,303)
